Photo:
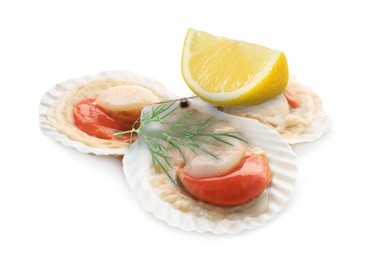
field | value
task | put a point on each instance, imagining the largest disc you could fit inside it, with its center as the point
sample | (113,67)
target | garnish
(187,131)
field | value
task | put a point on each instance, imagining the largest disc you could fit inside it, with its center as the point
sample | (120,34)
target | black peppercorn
(184,103)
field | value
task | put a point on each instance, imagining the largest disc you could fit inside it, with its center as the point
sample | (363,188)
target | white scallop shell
(312,113)
(281,158)
(49,100)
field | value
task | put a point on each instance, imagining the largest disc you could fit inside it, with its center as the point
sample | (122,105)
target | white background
(56,203)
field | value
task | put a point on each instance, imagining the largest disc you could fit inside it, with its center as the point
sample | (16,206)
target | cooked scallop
(127,101)
(203,165)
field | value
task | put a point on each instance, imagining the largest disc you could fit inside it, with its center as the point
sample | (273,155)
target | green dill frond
(187,131)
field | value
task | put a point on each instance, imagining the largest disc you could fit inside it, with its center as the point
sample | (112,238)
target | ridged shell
(314,120)
(49,100)
(281,158)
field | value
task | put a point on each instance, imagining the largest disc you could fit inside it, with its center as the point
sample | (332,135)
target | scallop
(304,124)
(122,93)
(202,165)
(157,193)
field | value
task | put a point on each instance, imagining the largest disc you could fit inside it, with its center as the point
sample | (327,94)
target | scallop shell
(306,124)
(50,98)
(282,160)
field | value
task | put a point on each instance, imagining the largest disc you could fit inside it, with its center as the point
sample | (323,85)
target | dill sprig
(186,131)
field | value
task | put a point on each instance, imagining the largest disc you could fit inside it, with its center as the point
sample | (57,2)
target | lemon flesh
(233,73)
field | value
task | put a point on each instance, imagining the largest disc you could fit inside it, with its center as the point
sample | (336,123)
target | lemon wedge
(227,72)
